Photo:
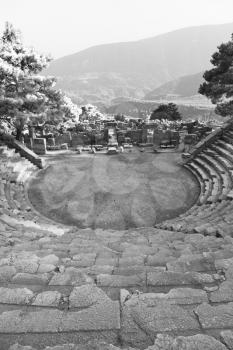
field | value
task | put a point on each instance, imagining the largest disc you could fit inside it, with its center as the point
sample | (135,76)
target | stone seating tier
(212,163)
(163,288)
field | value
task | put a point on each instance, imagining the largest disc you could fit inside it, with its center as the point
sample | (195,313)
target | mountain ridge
(184,86)
(135,68)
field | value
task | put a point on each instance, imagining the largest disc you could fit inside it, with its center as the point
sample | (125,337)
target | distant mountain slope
(184,87)
(132,69)
(141,108)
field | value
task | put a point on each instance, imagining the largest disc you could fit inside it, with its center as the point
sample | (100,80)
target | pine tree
(218,85)
(166,111)
(24,94)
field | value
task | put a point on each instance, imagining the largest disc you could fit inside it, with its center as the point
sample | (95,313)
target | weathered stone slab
(223,264)
(121,281)
(142,250)
(162,342)
(49,259)
(227,338)
(6,273)
(195,262)
(44,268)
(159,259)
(28,278)
(187,296)
(224,293)
(131,261)
(84,260)
(177,278)
(71,277)
(21,347)
(106,261)
(87,295)
(220,316)
(47,298)
(100,269)
(24,256)
(141,322)
(178,296)
(229,273)
(15,296)
(131,334)
(26,266)
(195,342)
(97,317)
(18,321)
(164,317)
(103,316)
(135,270)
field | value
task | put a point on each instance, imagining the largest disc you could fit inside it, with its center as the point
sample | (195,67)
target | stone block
(95,318)
(134,270)
(28,278)
(18,321)
(70,277)
(151,320)
(106,261)
(49,259)
(87,295)
(223,264)
(163,318)
(178,296)
(159,259)
(48,298)
(131,334)
(15,296)
(84,260)
(176,278)
(223,294)
(121,281)
(6,273)
(21,347)
(100,316)
(220,316)
(44,268)
(100,269)
(131,261)
(195,342)
(191,263)
(26,266)
(227,338)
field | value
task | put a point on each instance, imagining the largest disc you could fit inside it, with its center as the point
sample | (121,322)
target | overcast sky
(62,27)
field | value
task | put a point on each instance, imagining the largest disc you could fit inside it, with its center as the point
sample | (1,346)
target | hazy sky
(62,27)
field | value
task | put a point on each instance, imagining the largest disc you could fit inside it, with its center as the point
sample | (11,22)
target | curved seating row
(212,165)
(15,209)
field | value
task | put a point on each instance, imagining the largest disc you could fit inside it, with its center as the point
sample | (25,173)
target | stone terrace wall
(198,148)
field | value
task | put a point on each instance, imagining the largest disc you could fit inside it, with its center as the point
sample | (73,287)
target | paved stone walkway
(121,287)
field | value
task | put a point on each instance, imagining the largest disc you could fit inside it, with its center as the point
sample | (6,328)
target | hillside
(141,108)
(184,87)
(133,69)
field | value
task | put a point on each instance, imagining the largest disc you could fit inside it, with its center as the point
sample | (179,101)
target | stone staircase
(14,145)
(163,288)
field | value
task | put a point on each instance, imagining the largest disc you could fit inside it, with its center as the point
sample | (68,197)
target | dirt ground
(119,191)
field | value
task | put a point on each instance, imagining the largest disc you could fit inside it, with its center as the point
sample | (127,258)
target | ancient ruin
(164,287)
